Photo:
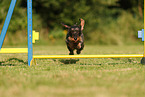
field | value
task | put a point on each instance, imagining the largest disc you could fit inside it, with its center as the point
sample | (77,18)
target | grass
(120,77)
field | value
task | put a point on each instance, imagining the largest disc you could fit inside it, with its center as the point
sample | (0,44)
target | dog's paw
(78,51)
(71,53)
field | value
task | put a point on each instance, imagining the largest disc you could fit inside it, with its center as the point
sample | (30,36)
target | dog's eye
(72,31)
(77,30)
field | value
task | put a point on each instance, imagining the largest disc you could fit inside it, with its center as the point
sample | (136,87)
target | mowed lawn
(110,77)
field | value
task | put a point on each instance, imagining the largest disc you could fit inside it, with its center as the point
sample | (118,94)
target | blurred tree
(133,6)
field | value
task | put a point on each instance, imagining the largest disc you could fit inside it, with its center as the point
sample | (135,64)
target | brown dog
(75,37)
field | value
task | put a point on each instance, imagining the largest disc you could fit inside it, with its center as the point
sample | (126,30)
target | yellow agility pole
(88,56)
(14,50)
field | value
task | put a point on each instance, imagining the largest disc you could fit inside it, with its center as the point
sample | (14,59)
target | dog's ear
(66,26)
(82,23)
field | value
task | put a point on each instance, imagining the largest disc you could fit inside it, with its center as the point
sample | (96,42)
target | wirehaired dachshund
(75,37)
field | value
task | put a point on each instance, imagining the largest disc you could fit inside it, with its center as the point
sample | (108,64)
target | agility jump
(32,36)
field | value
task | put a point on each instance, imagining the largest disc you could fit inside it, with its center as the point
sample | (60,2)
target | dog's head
(75,30)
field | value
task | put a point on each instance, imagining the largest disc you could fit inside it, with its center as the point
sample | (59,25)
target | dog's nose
(75,38)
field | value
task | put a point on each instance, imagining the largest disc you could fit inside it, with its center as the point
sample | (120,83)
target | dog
(75,37)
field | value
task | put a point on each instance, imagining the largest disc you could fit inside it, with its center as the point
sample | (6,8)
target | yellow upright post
(35,36)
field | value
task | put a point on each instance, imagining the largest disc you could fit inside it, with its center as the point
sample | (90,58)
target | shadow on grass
(69,61)
(5,63)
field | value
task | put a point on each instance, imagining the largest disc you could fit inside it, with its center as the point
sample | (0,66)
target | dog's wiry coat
(75,37)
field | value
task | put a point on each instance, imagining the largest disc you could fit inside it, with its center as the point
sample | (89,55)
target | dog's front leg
(71,52)
(70,48)
(78,48)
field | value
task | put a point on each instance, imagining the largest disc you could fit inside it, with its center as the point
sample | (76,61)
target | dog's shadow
(6,63)
(69,61)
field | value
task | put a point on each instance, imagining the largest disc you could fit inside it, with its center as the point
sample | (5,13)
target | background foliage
(107,21)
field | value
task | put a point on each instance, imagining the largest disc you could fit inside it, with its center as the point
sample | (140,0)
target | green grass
(120,77)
